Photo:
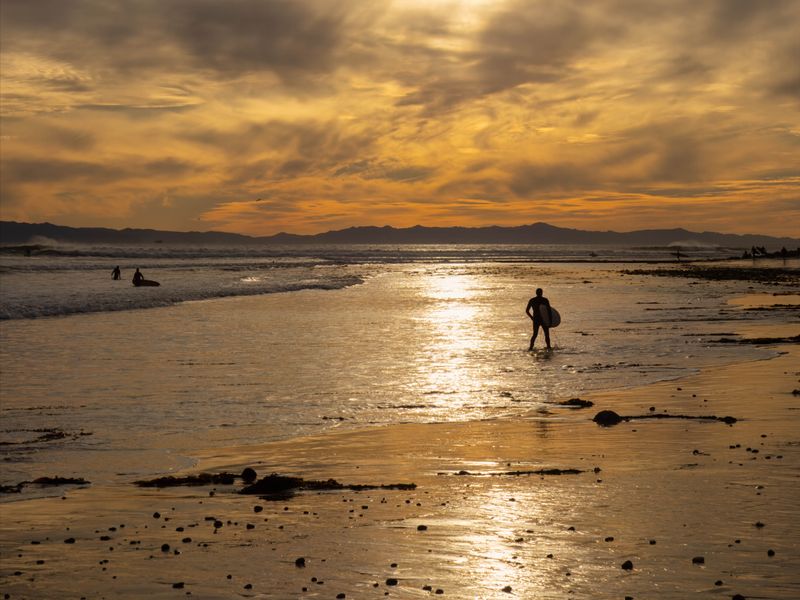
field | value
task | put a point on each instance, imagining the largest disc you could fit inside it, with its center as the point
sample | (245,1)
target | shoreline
(665,494)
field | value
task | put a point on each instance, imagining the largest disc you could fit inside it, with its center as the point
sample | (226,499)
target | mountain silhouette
(12,233)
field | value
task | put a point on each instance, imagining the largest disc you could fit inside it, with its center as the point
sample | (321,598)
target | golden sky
(260,116)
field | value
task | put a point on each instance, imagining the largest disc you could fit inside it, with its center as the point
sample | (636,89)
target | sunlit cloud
(259,116)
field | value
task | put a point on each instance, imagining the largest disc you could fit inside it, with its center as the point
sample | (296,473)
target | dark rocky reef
(199,479)
(520,473)
(43,481)
(577,403)
(281,484)
(759,341)
(776,275)
(608,418)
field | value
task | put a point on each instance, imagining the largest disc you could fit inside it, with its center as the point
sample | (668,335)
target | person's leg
(535,333)
(546,336)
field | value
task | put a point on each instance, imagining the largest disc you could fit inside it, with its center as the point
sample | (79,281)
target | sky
(261,116)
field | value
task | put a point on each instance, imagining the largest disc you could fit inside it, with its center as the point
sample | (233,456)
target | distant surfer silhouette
(534,311)
(137,278)
(116,273)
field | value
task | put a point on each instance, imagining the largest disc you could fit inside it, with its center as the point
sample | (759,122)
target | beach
(420,377)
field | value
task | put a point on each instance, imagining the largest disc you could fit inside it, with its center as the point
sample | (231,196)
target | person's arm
(528,309)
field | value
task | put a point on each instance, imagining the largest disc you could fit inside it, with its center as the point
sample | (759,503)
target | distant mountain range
(13,233)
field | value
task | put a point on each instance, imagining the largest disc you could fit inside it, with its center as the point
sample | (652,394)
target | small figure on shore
(116,273)
(534,311)
(137,277)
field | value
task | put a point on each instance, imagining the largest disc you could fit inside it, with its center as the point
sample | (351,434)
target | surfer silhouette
(116,273)
(137,277)
(534,311)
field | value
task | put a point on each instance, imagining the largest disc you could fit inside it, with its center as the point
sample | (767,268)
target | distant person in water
(137,277)
(116,273)
(533,310)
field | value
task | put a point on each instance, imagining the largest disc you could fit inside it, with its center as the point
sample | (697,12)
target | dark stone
(258,509)
(738,597)
(300,562)
(627,565)
(507,589)
(770,552)
(69,541)
(698,560)
(178,586)
(249,475)
(156,515)
(217,524)
(422,528)
(609,539)
(165,547)
(718,582)
(391,581)
(341,595)
(248,586)
(759,524)
(607,418)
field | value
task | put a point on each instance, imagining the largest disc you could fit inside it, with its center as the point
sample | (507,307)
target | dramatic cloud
(303,115)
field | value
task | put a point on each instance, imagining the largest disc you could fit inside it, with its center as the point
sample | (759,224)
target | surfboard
(543,313)
(147,282)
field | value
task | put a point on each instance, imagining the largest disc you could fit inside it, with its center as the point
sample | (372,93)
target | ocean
(248,345)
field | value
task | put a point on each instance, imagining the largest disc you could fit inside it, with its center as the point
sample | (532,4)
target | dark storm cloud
(529,179)
(289,38)
(530,42)
(284,36)
(388,170)
(54,170)
(168,167)
(33,170)
(322,140)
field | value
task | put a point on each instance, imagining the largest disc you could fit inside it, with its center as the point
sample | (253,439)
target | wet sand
(698,508)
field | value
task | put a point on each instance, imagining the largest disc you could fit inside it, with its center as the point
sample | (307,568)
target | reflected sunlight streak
(451,321)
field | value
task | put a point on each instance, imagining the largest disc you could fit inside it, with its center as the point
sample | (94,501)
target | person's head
(539,291)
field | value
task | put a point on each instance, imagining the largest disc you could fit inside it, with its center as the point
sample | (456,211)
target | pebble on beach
(627,565)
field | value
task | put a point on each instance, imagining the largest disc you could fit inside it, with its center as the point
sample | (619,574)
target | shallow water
(141,391)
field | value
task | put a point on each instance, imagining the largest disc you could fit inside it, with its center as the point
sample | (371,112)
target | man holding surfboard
(539,310)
